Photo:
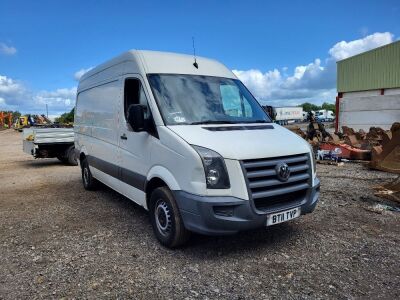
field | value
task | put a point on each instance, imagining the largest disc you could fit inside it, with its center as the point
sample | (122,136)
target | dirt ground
(59,241)
(329,126)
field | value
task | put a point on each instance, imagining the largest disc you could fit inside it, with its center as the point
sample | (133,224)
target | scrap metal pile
(380,147)
(389,190)
(386,156)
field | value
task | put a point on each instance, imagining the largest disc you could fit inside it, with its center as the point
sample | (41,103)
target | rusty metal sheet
(389,190)
(387,156)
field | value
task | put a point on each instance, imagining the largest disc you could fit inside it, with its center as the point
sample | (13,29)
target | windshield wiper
(212,122)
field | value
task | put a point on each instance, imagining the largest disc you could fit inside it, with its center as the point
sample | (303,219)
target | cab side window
(143,101)
(134,94)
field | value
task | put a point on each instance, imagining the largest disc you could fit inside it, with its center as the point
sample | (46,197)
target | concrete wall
(362,110)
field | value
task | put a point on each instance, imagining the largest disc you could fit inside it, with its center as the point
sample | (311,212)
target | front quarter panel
(173,156)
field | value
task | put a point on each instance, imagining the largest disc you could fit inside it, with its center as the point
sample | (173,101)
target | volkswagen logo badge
(282,171)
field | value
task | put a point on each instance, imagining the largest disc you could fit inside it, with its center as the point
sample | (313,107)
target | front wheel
(166,219)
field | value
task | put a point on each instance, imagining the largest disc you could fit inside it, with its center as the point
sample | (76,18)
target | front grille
(267,191)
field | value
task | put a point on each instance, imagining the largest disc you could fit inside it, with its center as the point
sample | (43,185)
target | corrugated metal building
(368,86)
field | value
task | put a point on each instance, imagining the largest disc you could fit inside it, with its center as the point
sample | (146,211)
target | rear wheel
(71,157)
(62,158)
(166,219)
(89,182)
(68,156)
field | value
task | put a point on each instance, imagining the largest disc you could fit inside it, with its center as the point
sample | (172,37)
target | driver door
(135,147)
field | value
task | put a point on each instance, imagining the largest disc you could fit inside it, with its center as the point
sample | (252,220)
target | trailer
(289,114)
(50,142)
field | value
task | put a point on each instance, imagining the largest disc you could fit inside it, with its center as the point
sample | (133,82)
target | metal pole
(47,111)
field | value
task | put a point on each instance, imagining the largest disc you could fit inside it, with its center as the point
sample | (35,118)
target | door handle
(124,137)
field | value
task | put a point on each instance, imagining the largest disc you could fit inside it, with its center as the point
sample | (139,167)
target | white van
(187,141)
(324,115)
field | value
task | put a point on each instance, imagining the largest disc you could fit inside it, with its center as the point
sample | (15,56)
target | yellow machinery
(31,120)
(21,123)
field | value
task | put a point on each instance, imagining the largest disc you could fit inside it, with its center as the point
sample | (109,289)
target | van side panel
(103,101)
(83,116)
(97,115)
(94,78)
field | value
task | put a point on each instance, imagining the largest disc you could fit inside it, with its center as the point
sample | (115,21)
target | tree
(329,106)
(16,114)
(66,117)
(309,107)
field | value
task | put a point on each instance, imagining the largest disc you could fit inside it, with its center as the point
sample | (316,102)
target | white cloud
(345,49)
(305,82)
(7,50)
(81,72)
(12,92)
(261,84)
(314,82)
(8,85)
(58,99)
(15,96)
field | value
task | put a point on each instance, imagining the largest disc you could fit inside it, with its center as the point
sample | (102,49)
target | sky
(284,51)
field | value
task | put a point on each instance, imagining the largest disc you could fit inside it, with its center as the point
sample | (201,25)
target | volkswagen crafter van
(187,141)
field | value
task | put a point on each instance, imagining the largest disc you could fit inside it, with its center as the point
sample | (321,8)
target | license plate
(283,216)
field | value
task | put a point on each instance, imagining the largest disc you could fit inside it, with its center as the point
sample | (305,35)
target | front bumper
(220,215)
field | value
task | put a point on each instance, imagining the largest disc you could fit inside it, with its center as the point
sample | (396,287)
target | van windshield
(194,99)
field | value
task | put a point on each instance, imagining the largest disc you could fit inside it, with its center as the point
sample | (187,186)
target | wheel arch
(81,155)
(159,176)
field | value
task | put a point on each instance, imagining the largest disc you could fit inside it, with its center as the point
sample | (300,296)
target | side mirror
(136,117)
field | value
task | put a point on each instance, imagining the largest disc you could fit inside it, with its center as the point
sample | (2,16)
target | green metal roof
(375,69)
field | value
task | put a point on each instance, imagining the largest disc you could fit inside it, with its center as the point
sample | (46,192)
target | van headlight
(214,168)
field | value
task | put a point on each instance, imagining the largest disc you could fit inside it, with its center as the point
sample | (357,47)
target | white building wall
(392,91)
(362,110)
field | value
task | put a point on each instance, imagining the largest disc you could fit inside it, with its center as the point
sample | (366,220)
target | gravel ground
(59,241)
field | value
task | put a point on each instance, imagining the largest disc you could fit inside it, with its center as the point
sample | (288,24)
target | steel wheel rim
(162,216)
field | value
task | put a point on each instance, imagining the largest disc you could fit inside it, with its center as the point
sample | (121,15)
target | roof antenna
(195,64)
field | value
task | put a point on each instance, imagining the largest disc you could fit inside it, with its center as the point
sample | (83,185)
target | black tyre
(71,157)
(166,219)
(62,158)
(89,182)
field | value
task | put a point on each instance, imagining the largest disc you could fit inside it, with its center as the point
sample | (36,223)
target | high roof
(161,62)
